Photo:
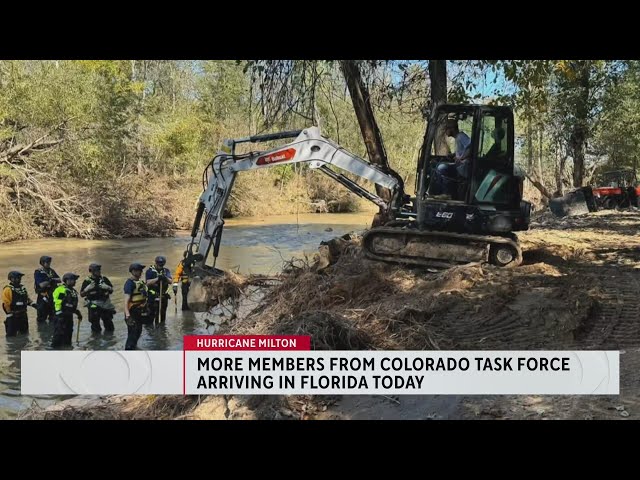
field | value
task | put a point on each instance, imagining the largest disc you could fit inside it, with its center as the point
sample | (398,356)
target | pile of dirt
(602,219)
(261,407)
(356,303)
(585,239)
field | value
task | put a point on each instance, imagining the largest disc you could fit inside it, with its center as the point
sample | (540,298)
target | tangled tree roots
(231,286)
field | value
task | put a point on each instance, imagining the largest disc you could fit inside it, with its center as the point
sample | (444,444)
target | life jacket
(49,273)
(152,289)
(139,295)
(97,293)
(65,299)
(19,298)
(182,273)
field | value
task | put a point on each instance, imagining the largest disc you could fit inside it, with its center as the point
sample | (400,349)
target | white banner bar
(322,372)
(104,372)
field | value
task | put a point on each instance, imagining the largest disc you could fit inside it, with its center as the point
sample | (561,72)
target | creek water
(250,245)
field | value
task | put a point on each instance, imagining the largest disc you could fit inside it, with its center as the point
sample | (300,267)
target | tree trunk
(366,119)
(438,89)
(438,86)
(144,73)
(529,146)
(368,127)
(577,146)
(540,152)
(136,126)
(559,174)
(580,129)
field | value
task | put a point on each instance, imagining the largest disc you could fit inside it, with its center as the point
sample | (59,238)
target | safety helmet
(136,266)
(45,259)
(15,274)
(70,276)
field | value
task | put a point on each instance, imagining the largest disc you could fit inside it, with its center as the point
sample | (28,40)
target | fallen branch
(37,144)
(541,188)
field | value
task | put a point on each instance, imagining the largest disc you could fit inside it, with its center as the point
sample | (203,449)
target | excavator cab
(484,191)
(463,211)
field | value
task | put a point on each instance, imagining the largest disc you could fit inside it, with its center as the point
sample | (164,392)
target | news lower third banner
(275,365)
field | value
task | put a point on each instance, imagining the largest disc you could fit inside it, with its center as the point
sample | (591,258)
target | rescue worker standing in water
(182,276)
(158,280)
(96,290)
(46,280)
(135,305)
(65,299)
(14,303)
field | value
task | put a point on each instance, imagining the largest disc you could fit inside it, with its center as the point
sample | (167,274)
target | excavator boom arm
(308,146)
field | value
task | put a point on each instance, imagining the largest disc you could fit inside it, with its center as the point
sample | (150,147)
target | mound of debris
(120,407)
(346,301)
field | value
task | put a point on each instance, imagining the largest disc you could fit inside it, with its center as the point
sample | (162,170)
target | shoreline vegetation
(174,214)
(114,149)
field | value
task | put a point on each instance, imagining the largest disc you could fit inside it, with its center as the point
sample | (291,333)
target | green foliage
(107,123)
(618,137)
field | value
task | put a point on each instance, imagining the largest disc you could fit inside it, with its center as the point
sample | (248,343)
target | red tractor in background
(613,189)
(617,189)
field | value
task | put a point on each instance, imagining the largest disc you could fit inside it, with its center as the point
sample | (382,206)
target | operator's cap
(70,276)
(15,273)
(160,260)
(136,266)
(94,266)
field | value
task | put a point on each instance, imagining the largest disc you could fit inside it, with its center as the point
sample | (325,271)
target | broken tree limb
(541,188)
(37,144)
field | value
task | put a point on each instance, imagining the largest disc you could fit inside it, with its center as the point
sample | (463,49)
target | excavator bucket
(198,297)
(577,202)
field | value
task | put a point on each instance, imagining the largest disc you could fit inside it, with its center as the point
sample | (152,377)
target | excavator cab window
(442,147)
(493,179)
